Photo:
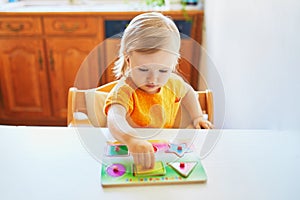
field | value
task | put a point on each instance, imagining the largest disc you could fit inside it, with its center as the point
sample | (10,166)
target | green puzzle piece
(117,150)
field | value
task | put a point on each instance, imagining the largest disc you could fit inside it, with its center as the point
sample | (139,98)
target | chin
(150,90)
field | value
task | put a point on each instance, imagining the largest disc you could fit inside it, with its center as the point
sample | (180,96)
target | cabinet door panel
(111,52)
(188,65)
(24,82)
(65,58)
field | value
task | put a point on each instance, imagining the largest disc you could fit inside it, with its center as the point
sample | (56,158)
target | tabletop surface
(55,163)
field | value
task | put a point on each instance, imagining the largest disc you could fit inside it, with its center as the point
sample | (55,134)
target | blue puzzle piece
(178,149)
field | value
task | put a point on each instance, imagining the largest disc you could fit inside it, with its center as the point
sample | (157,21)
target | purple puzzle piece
(116,170)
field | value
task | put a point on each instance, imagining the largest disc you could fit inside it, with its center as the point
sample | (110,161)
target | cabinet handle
(51,60)
(15,29)
(73,28)
(40,60)
(1,97)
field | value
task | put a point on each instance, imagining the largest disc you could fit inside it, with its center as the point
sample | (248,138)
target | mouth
(151,86)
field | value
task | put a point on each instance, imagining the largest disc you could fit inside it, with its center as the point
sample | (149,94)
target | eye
(143,69)
(164,70)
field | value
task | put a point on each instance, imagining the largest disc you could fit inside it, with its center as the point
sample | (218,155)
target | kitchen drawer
(20,26)
(70,25)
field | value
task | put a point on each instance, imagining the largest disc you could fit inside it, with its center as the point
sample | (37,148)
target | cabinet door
(23,82)
(188,64)
(65,56)
(112,46)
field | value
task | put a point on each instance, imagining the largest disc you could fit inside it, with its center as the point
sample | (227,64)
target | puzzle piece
(117,150)
(183,168)
(159,145)
(116,170)
(158,170)
(178,149)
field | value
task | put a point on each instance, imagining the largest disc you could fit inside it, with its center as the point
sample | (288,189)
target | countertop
(88,7)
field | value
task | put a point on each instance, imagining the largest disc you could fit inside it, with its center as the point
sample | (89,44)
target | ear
(175,65)
(127,60)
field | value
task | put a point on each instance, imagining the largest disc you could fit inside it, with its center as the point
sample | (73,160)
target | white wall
(255,46)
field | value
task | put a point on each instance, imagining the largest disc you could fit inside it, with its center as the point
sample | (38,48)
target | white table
(51,163)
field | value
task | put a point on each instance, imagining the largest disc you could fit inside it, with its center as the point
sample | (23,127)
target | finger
(147,160)
(210,125)
(138,159)
(135,158)
(197,125)
(141,159)
(152,160)
(205,125)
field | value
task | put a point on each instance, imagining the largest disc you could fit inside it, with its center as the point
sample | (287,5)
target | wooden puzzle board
(181,166)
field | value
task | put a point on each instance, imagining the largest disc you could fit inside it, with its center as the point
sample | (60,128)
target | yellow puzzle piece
(158,170)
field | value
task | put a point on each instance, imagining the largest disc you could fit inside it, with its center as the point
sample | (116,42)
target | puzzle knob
(115,169)
(117,148)
(179,148)
(182,165)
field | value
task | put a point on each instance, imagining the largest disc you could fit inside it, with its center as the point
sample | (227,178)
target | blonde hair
(147,33)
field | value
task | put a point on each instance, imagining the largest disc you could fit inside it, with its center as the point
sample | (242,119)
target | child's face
(149,72)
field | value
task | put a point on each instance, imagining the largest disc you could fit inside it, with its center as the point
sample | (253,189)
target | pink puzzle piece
(160,146)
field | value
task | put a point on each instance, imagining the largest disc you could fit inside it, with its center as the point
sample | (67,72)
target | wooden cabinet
(65,58)
(24,81)
(41,54)
(37,71)
(68,42)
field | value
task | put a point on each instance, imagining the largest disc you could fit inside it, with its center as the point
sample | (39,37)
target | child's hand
(142,152)
(199,122)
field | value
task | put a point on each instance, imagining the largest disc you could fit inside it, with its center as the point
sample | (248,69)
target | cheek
(138,77)
(164,79)
(136,74)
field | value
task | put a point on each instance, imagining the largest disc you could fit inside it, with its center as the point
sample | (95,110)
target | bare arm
(118,125)
(191,103)
(141,150)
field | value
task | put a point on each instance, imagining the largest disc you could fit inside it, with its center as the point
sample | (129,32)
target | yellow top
(148,110)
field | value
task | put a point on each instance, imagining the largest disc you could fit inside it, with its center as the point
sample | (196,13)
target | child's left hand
(199,123)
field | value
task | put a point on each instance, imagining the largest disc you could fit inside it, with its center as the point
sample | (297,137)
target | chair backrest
(85,107)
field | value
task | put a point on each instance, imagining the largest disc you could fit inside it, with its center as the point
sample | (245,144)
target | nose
(152,76)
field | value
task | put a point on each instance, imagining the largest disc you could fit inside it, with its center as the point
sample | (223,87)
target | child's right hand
(142,152)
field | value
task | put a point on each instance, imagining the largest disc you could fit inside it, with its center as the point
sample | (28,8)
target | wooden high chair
(85,107)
